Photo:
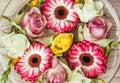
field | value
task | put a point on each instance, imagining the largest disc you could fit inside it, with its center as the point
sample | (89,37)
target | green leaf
(82,1)
(86,33)
(40,79)
(97,80)
(40,2)
(13,23)
(10,62)
(107,50)
(113,45)
(80,33)
(18,18)
(110,47)
(78,77)
(47,40)
(5,74)
(103,42)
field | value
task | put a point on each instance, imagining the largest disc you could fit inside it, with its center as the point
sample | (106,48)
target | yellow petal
(77,1)
(62,43)
(15,60)
(33,2)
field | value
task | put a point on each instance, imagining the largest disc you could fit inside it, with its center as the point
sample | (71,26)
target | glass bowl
(112,62)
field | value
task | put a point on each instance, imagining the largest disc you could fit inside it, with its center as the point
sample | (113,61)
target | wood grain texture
(116,5)
(3,5)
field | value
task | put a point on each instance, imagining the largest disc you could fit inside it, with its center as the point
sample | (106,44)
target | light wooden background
(116,5)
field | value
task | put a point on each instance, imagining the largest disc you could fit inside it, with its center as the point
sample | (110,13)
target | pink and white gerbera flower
(36,59)
(60,15)
(90,57)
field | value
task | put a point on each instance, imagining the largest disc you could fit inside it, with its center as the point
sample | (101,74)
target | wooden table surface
(116,5)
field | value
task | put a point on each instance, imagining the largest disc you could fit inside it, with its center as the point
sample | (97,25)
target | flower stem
(13,23)
(40,79)
(5,74)
(110,47)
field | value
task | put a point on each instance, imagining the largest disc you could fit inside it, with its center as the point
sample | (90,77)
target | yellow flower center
(62,43)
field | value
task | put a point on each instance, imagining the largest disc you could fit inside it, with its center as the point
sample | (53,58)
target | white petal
(30,72)
(68,4)
(79,11)
(62,24)
(98,5)
(36,71)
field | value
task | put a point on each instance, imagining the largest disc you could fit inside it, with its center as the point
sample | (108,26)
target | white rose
(89,10)
(15,44)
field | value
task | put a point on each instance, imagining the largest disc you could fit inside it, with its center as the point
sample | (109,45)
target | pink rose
(98,28)
(34,23)
(56,74)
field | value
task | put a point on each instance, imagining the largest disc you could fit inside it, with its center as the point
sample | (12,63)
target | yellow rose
(62,43)
(33,2)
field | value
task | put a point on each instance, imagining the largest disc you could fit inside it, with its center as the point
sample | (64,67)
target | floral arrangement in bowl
(58,41)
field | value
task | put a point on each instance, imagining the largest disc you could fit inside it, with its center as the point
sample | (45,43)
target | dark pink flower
(34,23)
(90,57)
(57,74)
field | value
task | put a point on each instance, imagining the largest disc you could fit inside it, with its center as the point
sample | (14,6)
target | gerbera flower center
(86,59)
(34,60)
(61,12)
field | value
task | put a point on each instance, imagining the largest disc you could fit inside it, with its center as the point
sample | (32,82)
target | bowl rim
(110,9)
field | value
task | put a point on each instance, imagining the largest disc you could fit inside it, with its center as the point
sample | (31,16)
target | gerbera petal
(37,58)
(69,3)
(90,57)
(62,25)
(60,15)
(98,67)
